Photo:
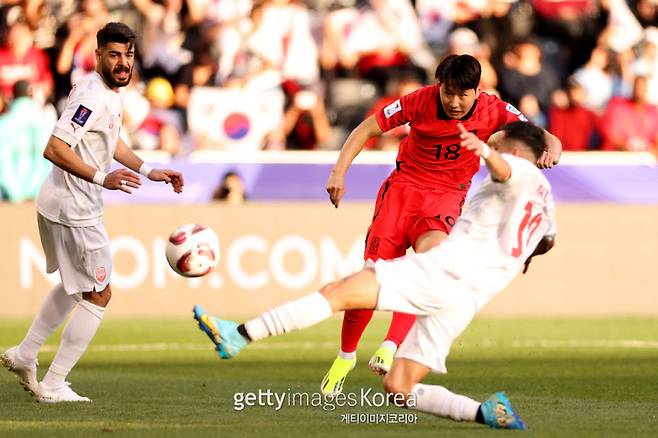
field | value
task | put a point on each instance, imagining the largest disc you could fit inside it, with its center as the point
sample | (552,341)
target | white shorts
(82,255)
(444,306)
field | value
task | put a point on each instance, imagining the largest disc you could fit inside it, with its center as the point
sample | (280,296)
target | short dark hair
(528,133)
(460,71)
(115,32)
(21,88)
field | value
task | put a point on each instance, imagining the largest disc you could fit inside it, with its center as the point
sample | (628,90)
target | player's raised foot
(62,394)
(380,363)
(223,333)
(499,414)
(26,373)
(333,381)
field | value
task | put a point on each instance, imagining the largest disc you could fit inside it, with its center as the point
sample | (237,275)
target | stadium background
(269,89)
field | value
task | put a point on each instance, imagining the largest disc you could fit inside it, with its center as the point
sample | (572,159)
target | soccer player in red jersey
(420,201)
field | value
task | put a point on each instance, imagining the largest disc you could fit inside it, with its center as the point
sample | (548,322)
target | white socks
(76,336)
(437,400)
(293,315)
(54,309)
(348,356)
(390,345)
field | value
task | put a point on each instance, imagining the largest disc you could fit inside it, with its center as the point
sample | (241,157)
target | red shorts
(404,212)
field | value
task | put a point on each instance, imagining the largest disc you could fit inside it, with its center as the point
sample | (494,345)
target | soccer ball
(193,250)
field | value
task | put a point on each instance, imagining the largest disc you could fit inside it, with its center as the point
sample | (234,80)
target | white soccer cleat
(63,394)
(27,374)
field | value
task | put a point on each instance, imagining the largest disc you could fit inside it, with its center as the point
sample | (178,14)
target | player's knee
(99,298)
(397,388)
(330,290)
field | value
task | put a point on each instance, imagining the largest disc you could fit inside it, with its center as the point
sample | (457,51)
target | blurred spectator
(525,74)
(437,17)
(647,63)
(162,43)
(24,131)
(646,12)
(598,80)
(631,124)
(21,60)
(570,121)
(379,41)
(529,106)
(502,23)
(163,127)
(573,24)
(463,41)
(231,190)
(77,56)
(305,123)
(399,87)
(201,72)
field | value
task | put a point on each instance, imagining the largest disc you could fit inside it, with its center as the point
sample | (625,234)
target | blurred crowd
(291,74)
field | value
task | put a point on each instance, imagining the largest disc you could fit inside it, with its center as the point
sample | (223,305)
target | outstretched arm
(60,154)
(353,145)
(544,246)
(499,168)
(552,152)
(124,155)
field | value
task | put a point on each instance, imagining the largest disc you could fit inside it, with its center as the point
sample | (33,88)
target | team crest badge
(101,274)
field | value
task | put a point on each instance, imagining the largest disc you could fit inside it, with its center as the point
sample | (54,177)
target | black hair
(115,32)
(531,135)
(459,71)
(21,88)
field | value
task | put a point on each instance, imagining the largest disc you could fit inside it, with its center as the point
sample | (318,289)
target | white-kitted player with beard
(70,215)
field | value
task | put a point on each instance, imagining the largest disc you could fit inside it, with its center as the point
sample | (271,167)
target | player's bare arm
(60,154)
(124,155)
(553,152)
(353,145)
(499,168)
(545,245)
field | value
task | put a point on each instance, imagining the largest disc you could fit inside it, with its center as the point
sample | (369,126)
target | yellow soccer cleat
(333,381)
(380,363)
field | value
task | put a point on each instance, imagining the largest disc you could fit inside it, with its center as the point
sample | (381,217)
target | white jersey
(499,229)
(90,124)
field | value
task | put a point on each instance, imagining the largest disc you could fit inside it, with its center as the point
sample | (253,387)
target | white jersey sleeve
(82,111)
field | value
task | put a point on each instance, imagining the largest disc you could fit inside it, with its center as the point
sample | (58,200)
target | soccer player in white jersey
(70,215)
(510,219)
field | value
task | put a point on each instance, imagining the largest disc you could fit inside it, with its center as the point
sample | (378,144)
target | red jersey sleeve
(507,113)
(398,113)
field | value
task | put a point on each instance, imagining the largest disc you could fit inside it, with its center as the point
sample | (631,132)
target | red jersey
(33,67)
(431,155)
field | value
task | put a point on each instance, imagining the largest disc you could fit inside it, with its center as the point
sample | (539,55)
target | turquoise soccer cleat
(224,334)
(499,414)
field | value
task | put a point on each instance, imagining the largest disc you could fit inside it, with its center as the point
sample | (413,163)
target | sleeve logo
(511,108)
(392,108)
(81,115)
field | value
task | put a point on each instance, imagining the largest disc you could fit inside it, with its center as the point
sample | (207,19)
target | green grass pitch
(571,377)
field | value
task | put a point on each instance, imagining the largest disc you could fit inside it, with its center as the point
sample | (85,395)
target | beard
(108,76)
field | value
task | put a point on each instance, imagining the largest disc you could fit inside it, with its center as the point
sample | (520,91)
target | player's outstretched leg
(497,412)
(380,363)
(356,291)
(26,372)
(224,334)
